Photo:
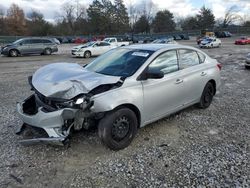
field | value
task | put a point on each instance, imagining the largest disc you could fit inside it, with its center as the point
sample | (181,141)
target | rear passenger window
(202,57)
(36,41)
(188,58)
(46,41)
(104,44)
(166,62)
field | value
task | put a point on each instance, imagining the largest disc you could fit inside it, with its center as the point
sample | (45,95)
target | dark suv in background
(32,45)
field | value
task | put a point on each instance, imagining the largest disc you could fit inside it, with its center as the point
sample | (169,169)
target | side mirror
(20,43)
(152,74)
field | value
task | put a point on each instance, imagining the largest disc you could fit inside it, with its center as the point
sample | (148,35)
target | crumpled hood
(67,80)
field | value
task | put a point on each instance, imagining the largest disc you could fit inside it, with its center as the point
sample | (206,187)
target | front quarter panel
(128,93)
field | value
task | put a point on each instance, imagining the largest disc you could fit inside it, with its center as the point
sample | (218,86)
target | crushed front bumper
(51,122)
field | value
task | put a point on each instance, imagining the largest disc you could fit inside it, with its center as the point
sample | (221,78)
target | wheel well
(134,109)
(87,51)
(14,49)
(214,85)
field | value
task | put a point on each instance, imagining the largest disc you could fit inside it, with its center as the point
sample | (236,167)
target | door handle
(203,73)
(178,81)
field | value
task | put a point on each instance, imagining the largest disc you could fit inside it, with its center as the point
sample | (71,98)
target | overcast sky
(49,8)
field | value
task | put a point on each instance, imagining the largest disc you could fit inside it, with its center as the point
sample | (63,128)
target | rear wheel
(87,54)
(13,53)
(118,128)
(207,96)
(47,51)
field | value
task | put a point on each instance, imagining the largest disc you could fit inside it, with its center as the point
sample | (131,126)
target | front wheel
(87,54)
(118,128)
(13,53)
(207,96)
(247,67)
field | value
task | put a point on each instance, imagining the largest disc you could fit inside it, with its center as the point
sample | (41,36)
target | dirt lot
(199,148)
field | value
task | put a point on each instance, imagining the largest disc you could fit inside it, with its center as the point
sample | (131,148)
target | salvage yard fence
(235,30)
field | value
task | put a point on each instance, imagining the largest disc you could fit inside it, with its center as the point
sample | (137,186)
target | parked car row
(149,39)
(222,34)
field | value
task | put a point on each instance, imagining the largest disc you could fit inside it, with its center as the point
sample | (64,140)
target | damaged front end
(62,100)
(55,117)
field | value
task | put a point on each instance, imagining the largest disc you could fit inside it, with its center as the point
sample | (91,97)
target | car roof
(156,47)
(28,38)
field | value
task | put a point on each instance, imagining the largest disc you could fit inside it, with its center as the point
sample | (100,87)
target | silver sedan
(120,91)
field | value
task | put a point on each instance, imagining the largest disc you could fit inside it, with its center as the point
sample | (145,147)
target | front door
(165,95)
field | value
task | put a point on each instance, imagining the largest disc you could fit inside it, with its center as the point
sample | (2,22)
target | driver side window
(166,62)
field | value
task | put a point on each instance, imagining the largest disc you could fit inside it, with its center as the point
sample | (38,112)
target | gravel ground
(193,148)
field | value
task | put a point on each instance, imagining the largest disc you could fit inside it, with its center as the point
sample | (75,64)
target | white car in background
(89,49)
(114,41)
(210,42)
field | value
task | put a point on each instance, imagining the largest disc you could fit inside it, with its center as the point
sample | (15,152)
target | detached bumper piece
(56,124)
(44,139)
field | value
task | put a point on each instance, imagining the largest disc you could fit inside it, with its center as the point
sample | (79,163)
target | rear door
(36,46)
(162,96)
(194,73)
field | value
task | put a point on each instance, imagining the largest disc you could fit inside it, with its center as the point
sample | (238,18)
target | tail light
(219,66)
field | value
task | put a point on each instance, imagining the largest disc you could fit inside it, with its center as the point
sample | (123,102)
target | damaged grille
(48,104)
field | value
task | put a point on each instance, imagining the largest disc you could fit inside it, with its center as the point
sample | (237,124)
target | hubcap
(87,54)
(13,53)
(120,128)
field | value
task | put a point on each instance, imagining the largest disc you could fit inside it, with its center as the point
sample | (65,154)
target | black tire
(207,96)
(118,128)
(247,67)
(47,51)
(13,53)
(87,54)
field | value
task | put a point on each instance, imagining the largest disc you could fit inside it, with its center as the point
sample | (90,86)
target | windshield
(17,41)
(119,62)
(88,44)
(106,40)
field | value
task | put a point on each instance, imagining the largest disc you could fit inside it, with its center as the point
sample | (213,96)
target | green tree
(190,23)
(205,18)
(37,26)
(142,25)
(96,18)
(121,19)
(163,22)
(246,24)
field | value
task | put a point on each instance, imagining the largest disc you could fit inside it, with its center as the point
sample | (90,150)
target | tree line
(109,17)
